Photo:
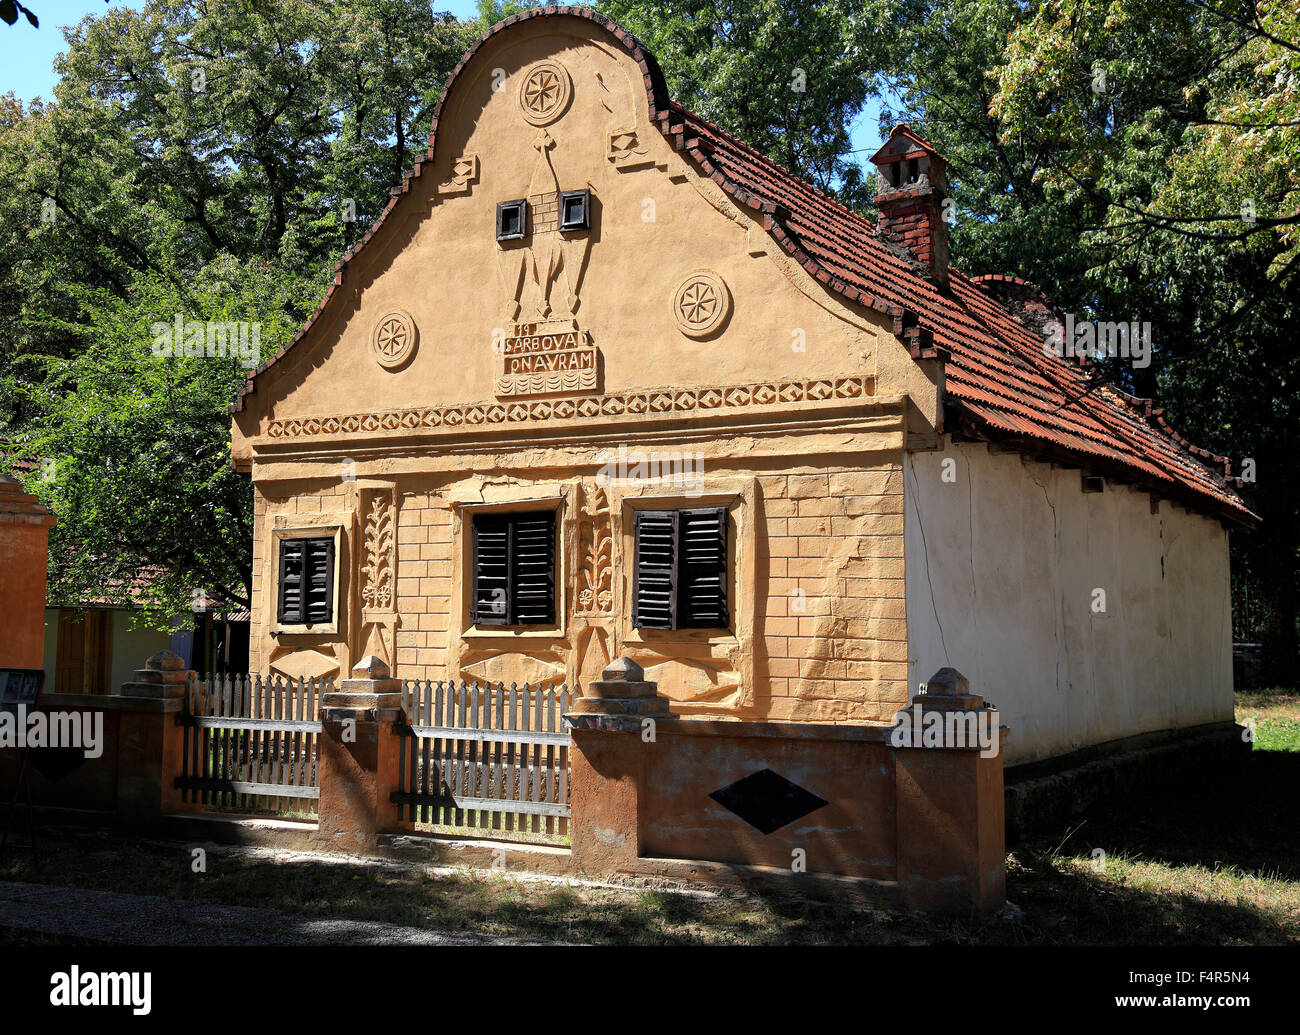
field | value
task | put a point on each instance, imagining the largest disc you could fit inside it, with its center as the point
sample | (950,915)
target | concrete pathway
(119,919)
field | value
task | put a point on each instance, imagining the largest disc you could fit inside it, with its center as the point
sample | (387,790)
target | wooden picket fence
(250,743)
(491,758)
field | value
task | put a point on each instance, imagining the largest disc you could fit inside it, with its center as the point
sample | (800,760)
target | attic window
(512,219)
(575,209)
(913,170)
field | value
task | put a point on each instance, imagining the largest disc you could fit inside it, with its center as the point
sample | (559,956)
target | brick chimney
(911,182)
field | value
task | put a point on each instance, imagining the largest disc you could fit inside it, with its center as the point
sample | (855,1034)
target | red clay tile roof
(999,380)
(998,377)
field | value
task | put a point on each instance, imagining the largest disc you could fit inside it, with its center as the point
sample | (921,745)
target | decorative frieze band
(616,404)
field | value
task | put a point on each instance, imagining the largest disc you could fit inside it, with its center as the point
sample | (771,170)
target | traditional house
(604,381)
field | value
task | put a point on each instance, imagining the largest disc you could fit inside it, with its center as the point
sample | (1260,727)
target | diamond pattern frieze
(590,407)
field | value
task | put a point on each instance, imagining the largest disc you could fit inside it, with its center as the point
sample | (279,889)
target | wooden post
(24,537)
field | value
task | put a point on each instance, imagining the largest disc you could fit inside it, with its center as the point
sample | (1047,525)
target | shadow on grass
(1244,818)
(1067,906)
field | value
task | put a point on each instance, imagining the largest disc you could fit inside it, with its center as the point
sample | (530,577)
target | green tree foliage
(1105,149)
(1135,158)
(135,420)
(11,9)
(1108,150)
(1177,125)
(202,160)
(787,78)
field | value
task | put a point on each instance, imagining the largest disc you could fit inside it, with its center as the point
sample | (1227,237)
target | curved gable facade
(630,339)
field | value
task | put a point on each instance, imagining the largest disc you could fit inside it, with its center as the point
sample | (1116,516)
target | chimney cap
(903,142)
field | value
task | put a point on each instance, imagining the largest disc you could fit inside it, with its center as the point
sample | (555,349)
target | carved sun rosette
(394,339)
(702,304)
(545,93)
(378,569)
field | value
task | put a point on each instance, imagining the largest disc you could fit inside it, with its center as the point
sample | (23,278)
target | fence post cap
(371,667)
(165,661)
(947,681)
(948,691)
(623,670)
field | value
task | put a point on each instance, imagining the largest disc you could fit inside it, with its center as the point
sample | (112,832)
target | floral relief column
(594,597)
(379,618)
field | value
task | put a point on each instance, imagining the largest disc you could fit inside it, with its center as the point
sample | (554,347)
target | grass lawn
(1216,862)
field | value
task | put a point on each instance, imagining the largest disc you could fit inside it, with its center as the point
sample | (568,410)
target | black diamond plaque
(767,801)
(56,763)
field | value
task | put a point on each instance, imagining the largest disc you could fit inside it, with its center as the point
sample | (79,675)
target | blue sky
(27,67)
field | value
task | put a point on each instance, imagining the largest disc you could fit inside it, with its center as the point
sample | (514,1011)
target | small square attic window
(512,219)
(575,209)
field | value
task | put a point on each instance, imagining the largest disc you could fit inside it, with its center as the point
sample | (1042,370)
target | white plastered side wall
(1002,564)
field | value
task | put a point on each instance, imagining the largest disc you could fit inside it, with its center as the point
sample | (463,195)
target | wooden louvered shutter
(292,563)
(319,595)
(702,570)
(532,569)
(491,597)
(654,576)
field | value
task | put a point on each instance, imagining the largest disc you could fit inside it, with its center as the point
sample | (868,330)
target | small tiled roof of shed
(999,380)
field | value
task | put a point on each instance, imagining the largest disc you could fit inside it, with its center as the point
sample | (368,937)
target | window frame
(585,224)
(510,521)
(731,653)
(522,205)
(301,531)
(465,502)
(679,568)
(307,545)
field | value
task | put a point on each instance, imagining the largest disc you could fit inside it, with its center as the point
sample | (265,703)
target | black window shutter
(491,570)
(654,576)
(702,574)
(532,569)
(319,581)
(291,581)
(306,581)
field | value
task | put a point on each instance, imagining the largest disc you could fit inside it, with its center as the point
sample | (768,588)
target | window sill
(512,632)
(330,629)
(651,637)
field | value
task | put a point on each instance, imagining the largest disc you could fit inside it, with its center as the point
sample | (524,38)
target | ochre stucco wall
(656,220)
(1002,562)
(796,407)
(817,611)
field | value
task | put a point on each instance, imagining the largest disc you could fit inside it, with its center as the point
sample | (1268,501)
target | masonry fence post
(608,766)
(359,754)
(150,740)
(951,826)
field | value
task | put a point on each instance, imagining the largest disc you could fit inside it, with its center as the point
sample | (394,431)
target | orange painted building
(605,382)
